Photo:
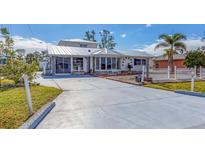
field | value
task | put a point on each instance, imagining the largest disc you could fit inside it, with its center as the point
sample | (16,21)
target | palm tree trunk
(171,60)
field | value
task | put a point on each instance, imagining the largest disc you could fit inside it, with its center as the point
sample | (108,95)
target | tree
(7,44)
(15,68)
(195,58)
(90,36)
(107,40)
(36,56)
(172,42)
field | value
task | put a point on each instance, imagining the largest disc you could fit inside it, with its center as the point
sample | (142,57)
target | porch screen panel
(103,63)
(118,63)
(114,63)
(97,63)
(59,65)
(109,63)
(66,64)
(77,64)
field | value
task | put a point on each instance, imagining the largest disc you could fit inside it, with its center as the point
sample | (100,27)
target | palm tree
(172,44)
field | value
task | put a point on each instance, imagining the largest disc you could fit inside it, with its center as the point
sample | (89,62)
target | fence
(182,74)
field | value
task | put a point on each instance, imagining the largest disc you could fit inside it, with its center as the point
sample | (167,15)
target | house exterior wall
(78,44)
(130,60)
(164,63)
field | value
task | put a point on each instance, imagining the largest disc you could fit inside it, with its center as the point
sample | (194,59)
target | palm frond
(180,46)
(178,37)
(166,38)
(161,45)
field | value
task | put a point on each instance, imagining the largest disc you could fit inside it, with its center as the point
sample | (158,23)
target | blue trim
(190,93)
(42,116)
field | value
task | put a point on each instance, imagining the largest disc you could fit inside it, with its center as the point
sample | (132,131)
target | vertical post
(192,81)
(44,68)
(175,72)
(147,68)
(168,71)
(28,94)
(143,72)
(71,64)
(200,72)
(195,73)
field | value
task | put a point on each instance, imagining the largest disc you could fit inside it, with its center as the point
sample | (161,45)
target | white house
(70,57)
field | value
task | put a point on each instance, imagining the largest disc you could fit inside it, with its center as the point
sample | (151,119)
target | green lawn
(13,106)
(199,86)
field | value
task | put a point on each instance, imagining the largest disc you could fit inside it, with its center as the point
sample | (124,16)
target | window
(77,64)
(144,62)
(137,61)
(114,63)
(103,63)
(118,63)
(83,45)
(109,63)
(97,63)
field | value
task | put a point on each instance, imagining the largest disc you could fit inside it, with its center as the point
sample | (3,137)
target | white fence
(179,74)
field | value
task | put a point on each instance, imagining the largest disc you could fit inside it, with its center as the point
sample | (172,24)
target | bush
(5,84)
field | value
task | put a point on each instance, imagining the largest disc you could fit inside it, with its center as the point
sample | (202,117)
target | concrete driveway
(100,103)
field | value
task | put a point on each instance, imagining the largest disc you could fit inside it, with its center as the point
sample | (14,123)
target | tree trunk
(171,60)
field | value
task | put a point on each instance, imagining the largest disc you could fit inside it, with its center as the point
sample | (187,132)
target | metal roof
(79,51)
(134,53)
(75,51)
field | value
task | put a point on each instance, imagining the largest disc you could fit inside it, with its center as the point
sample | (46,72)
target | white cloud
(29,44)
(148,25)
(123,35)
(111,32)
(190,43)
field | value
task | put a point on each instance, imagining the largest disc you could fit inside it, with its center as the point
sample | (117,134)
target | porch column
(71,64)
(91,65)
(53,65)
(84,64)
(147,68)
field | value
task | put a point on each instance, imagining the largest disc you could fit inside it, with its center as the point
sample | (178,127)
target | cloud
(29,44)
(112,32)
(123,35)
(190,43)
(148,25)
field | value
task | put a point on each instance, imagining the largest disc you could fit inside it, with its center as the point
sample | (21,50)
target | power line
(29,27)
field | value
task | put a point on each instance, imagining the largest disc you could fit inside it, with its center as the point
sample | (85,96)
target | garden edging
(198,94)
(35,119)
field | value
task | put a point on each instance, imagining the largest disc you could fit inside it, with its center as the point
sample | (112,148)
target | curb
(198,94)
(35,119)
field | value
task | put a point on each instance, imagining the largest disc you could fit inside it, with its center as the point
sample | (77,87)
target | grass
(13,106)
(199,86)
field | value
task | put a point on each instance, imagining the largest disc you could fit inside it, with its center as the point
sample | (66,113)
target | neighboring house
(162,61)
(75,59)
